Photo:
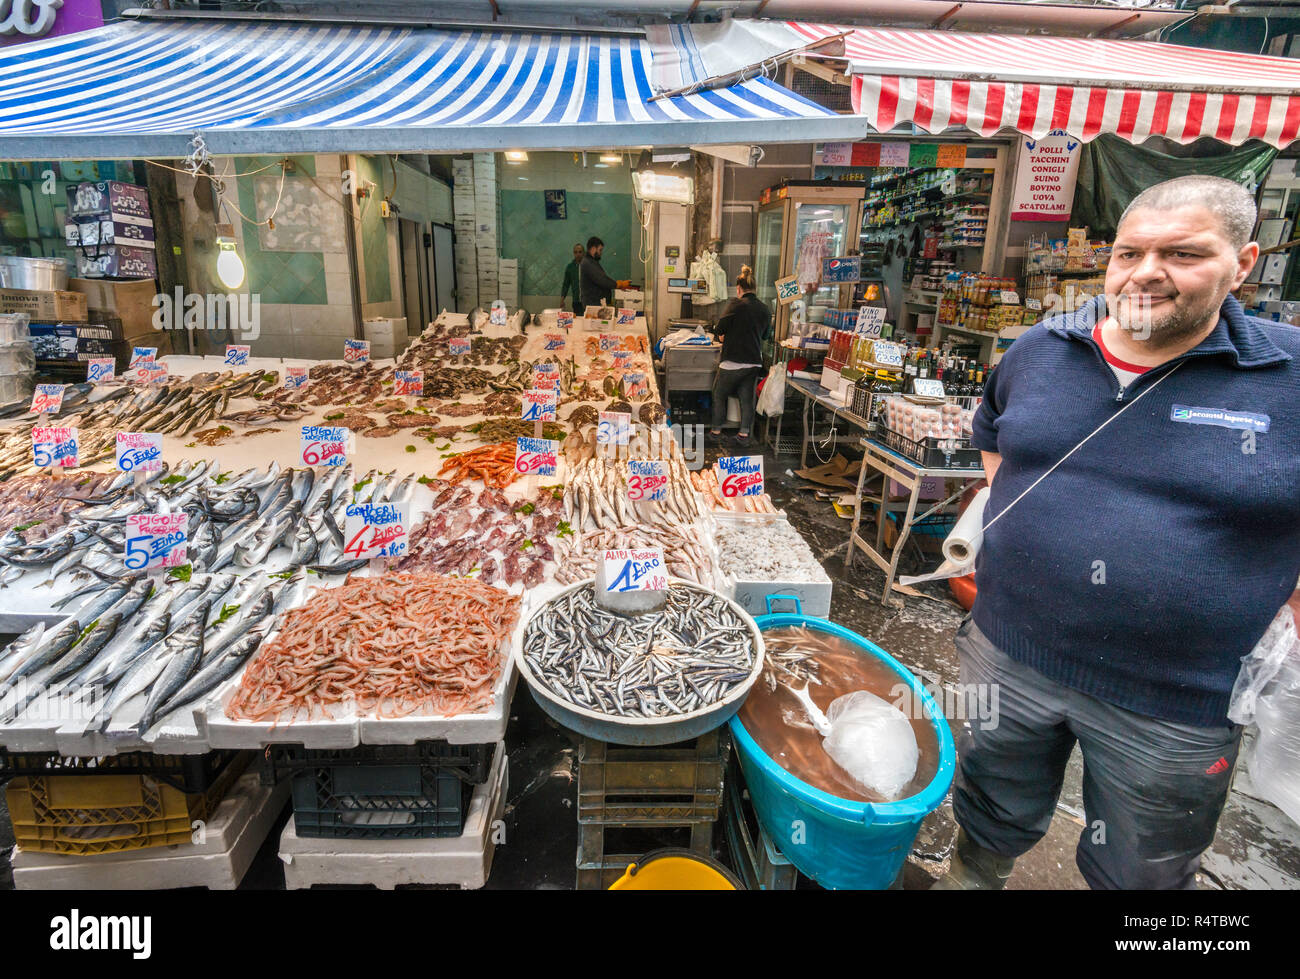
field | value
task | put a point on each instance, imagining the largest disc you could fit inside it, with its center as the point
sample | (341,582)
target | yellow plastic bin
(677,870)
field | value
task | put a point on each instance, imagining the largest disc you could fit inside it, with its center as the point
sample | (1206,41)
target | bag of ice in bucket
(869,738)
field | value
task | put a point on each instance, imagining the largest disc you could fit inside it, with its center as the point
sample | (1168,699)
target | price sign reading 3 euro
(741,475)
(615,428)
(155,540)
(55,447)
(632,569)
(374,530)
(324,445)
(139,452)
(647,479)
(535,457)
(295,377)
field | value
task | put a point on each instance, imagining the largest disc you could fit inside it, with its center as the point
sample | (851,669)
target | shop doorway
(415,274)
(444,270)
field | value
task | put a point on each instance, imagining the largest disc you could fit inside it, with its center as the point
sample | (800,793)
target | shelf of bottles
(953,199)
(978,303)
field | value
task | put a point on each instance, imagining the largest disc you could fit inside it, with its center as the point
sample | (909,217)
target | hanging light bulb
(230,267)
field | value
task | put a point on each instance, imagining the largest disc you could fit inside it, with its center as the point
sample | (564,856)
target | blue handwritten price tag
(633,569)
(143,355)
(930,387)
(458,346)
(621,357)
(741,475)
(374,530)
(615,428)
(555,341)
(55,447)
(887,354)
(139,452)
(295,377)
(497,314)
(626,317)
(647,479)
(356,351)
(635,385)
(324,445)
(155,540)
(47,399)
(536,457)
(100,370)
(787,289)
(409,383)
(237,354)
(538,406)
(564,319)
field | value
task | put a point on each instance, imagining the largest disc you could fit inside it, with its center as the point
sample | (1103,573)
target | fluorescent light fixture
(230,267)
(516,156)
(667,187)
(611,159)
(598,181)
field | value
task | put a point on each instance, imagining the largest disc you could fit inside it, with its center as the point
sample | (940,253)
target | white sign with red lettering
(1045,176)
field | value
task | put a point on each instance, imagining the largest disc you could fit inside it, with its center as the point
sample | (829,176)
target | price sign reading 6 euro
(647,479)
(375,530)
(741,475)
(155,540)
(536,457)
(139,452)
(324,445)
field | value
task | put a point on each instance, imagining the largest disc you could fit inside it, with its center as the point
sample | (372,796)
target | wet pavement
(1256,846)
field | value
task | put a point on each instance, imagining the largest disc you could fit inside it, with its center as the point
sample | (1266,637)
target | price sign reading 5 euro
(55,447)
(374,530)
(155,540)
(647,479)
(741,475)
(139,452)
(324,445)
(633,569)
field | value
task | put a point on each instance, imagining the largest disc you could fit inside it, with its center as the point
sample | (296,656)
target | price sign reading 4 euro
(374,530)
(459,346)
(632,569)
(47,399)
(741,475)
(626,317)
(324,445)
(647,479)
(295,377)
(409,383)
(555,341)
(538,406)
(615,428)
(101,370)
(237,355)
(155,540)
(536,457)
(54,447)
(356,351)
(139,452)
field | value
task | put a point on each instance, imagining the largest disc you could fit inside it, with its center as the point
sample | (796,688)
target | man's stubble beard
(1177,325)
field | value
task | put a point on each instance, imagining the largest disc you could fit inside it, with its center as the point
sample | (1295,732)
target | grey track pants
(1153,790)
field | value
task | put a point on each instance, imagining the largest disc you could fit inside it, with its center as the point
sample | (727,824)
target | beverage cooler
(800,222)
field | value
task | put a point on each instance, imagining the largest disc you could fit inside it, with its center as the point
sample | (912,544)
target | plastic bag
(1267,693)
(771,400)
(873,741)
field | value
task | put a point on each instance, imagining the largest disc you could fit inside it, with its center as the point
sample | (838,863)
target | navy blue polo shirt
(1143,568)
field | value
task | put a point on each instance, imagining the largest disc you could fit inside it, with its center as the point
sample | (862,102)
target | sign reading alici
(33,18)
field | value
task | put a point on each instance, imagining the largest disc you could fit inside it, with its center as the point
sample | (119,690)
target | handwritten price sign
(647,479)
(47,399)
(143,355)
(535,457)
(356,351)
(155,540)
(546,380)
(564,320)
(870,321)
(139,452)
(787,289)
(626,317)
(635,385)
(375,530)
(741,475)
(237,354)
(54,447)
(497,315)
(409,383)
(615,428)
(101,370)
(610,341)
(538,406)
(630,569)
(295,377)
(458,346)
(621,358)
(555,341)
(324,445)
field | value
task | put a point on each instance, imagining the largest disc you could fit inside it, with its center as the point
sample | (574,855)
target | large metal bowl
(644,731)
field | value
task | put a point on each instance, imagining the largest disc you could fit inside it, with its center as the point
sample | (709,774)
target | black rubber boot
(974,868)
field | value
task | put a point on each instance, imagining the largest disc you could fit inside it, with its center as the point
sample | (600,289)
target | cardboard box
(130,302)
(64,341)
(45,307)
(108,198)
(118,261)
(91,233)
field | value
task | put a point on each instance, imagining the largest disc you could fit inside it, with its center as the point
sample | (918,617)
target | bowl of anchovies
(649,678)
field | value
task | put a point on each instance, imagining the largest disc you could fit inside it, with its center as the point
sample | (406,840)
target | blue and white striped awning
(144,88)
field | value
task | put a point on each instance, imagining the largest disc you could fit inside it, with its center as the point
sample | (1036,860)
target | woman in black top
(744,325)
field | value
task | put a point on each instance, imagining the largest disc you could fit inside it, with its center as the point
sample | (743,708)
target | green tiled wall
(296,278)
(374,231)
(545,247)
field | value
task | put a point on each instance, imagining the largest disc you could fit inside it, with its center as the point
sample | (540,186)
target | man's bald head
(1230,202)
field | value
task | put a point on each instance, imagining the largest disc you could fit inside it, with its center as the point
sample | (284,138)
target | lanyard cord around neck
(1081,445)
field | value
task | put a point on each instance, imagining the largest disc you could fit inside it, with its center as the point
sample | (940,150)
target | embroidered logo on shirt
(1218,768)
(1245,420)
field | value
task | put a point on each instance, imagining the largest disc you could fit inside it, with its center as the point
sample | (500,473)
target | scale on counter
(686,286)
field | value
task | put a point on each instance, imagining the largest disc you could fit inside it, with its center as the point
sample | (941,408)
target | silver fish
(188,650)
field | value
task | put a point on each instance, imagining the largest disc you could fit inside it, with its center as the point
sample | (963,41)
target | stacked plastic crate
(486,237)
(632,800)
(466,232)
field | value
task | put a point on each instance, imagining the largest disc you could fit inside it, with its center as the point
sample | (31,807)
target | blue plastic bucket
(837,842)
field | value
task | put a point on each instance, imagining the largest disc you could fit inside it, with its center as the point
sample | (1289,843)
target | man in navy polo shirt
(1119,589)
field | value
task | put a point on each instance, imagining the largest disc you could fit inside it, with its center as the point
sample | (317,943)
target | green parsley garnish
(335,416)
(564,530)
(525,545)
(410,448)
(181,573)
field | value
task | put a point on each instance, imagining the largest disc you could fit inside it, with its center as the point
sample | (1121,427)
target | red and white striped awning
(1085,86)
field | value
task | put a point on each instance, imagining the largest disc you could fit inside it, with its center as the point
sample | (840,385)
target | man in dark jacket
(743,327)
(597,286)
(572,281)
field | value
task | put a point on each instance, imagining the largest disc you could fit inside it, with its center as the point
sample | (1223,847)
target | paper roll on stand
(960,546)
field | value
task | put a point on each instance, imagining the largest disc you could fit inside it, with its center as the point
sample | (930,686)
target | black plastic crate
(470,763)
(186,773)
(934,453)
(379,802)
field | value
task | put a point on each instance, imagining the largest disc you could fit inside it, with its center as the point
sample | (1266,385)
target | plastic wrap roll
(963,542)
